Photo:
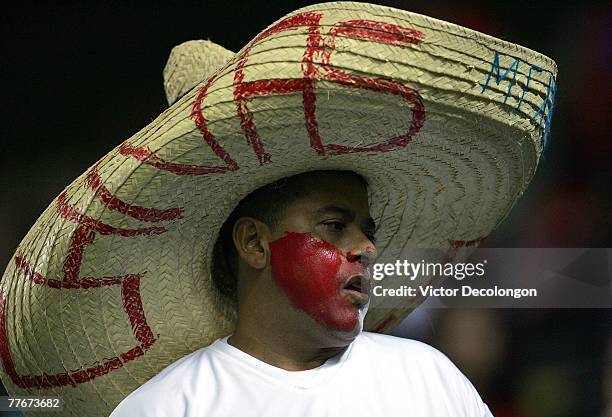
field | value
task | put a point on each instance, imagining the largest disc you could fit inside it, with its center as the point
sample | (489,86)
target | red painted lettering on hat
(384,324)
(456,245)
(144,154)
(132,304)
(201,124)
(147,156)
(244,91)
(147,214)
(85,234)
(380,32)
(316,66)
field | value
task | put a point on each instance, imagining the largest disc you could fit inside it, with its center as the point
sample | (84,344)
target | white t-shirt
(377,375)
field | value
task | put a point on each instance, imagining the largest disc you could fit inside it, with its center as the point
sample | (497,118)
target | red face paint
(311,272)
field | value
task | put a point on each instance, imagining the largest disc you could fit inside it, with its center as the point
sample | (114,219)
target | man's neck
(281,351)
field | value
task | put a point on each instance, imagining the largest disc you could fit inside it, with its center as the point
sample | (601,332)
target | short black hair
(267,204)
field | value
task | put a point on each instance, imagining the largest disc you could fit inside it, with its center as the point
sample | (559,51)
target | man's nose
(363,252)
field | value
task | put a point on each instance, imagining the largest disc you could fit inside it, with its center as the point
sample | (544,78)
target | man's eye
(335,226)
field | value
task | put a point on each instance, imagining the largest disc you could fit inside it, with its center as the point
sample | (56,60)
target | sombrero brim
(114,280)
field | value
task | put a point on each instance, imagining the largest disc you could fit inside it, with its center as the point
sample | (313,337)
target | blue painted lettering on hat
(544,118)
(499,77)
(542,115)
(529,75)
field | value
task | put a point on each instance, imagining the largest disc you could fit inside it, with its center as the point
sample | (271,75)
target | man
(298,348)
(247,208)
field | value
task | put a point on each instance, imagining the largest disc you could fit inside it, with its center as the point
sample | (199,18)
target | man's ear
(251,238)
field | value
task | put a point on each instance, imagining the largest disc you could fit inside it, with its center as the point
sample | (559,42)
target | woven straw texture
(190,63)
(113,282)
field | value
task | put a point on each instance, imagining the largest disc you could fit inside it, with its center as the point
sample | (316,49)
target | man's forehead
(344,196)
(341,189)
(324,179)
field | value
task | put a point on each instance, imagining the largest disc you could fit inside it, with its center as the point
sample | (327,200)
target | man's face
(321,249)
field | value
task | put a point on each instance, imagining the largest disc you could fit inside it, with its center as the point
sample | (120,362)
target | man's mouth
(357,288)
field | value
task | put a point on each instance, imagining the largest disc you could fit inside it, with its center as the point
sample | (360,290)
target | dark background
(78,79)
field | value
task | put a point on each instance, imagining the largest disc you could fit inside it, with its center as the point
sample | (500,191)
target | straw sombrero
(113,282)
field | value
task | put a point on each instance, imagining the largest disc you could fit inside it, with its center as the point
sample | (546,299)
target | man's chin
(343,338)
(347,337)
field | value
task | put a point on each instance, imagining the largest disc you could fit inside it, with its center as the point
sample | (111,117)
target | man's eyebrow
(368,223)
(345,212)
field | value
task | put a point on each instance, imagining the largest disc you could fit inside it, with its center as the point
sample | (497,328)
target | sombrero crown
(113,282)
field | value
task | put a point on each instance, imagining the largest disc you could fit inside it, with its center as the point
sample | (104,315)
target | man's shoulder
(393,345)
(404,360)
(408,355)
(166,391)
(174,375)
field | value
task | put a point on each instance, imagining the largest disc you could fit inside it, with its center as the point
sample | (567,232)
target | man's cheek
(306,269)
